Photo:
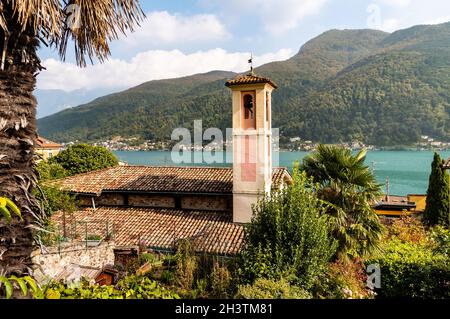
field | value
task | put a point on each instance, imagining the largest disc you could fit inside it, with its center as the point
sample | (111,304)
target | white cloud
(277,16)
(147,66)
(400,14)
(396,3)
(162,27)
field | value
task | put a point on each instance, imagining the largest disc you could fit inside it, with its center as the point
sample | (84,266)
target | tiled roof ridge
(173,179)
(250,78)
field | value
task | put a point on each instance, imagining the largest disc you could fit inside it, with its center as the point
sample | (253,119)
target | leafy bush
(25,284)
(288,237)
(54,200)
(186,264)
(50,171)
(132,287)
(412,270)
(441,238)
(343,280)
(271,289)
(409,229)
(84,158)
(221,280)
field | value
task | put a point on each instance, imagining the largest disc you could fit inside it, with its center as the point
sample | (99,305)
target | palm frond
(98,23)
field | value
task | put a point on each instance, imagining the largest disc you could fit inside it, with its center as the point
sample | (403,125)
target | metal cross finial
(251,63)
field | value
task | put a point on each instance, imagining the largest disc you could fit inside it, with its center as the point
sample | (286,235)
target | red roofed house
(154,207)
(47,149)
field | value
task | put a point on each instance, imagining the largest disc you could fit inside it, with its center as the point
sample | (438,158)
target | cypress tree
(438,198)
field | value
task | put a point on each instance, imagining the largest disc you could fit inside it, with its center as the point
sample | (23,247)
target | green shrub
(186,264)
(288,237)
(50,171)
(343,280)
(84,158)
(221,280)
(54,200)
(271,289)
(132,287)
(412,270)
(409,229)
(168,277)
(441,238)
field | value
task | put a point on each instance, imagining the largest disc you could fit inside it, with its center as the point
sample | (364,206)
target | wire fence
(79,235)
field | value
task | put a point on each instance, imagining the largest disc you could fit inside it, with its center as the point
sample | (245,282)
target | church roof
(148,179)
(160,229)
(250,78)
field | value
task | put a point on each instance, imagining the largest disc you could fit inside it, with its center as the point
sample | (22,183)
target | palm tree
(348,188)
(24,26)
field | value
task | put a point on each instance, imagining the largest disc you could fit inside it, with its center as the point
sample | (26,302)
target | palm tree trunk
(17,136)
(17,139)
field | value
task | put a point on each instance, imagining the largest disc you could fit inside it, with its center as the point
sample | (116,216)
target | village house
(46,149)
(154,207)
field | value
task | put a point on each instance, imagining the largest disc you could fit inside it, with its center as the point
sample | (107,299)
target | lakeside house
(397,206)
(154,207)
(46,148)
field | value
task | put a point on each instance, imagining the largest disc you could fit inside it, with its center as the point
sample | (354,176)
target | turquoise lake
(408,171)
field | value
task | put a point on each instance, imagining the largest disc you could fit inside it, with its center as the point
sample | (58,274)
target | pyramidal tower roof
(250,78)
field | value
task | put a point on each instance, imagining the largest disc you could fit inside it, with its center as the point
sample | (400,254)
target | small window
(248,107)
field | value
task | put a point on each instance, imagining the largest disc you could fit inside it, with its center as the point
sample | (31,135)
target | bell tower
(252,142)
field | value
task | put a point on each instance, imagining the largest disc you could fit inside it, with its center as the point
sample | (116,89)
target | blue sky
(183,37)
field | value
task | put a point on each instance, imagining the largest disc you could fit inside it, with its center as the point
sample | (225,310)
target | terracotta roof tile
(205,180)
(43,143)
(161,228)
(250,79)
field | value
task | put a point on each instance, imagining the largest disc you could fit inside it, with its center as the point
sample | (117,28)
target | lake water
(408,171)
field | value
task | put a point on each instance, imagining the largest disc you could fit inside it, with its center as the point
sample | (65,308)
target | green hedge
(413,271)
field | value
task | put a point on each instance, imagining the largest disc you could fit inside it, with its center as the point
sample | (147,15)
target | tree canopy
(438,195)
(83,158)
(349,188)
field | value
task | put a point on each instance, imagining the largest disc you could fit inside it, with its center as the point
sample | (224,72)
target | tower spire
(251,63)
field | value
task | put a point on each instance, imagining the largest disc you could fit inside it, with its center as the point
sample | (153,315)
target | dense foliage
(380,88)
(84,158)
(271,289)
(437,211)
(350,188)
(288,237)
(414,262)
(131,287)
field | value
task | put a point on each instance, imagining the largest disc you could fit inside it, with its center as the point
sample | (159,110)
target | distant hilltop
(378,88)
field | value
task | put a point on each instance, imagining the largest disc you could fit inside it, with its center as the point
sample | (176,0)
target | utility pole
(387,189)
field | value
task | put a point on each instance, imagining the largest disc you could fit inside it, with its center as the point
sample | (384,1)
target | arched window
(248,107)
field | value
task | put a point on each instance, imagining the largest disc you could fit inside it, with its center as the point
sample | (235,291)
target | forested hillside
(380,88)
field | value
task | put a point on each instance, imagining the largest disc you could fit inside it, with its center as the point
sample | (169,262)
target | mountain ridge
(342,85)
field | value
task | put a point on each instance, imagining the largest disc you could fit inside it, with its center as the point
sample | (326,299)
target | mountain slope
(381,88)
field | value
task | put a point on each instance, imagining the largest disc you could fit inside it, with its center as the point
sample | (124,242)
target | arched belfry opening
(248,111)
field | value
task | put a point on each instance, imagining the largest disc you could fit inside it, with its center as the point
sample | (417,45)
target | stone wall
(209,203)
(85,201)
(155,201)
(110,200)
(49,263)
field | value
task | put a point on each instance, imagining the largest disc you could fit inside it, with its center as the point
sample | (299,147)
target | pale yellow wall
(420,200)
(47,153)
